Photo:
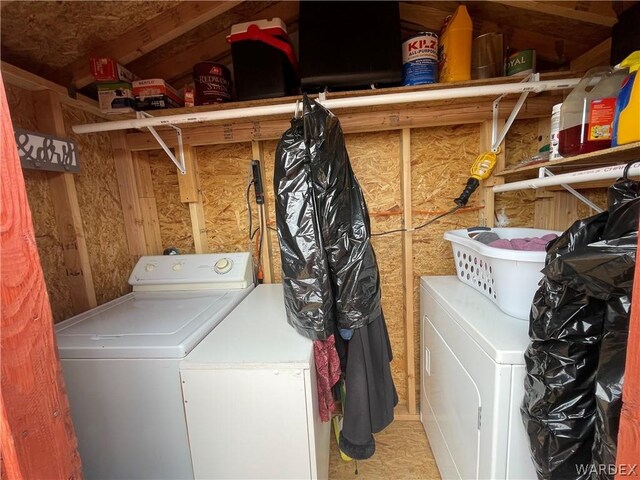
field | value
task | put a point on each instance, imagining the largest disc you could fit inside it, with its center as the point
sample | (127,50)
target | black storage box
(264,65)
(349,44)
(625,35)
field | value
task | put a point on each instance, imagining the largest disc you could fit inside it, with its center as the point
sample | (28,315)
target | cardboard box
(155,93)
(116,97)
(105,69)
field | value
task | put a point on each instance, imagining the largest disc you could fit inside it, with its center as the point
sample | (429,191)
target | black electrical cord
(454,209)
(250,213)
(457,207)
(260,244)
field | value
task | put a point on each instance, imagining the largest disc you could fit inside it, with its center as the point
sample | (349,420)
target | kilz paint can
(212,83)
(420,59)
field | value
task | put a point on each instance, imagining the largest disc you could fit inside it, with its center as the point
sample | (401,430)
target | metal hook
(625,173)
(297,110)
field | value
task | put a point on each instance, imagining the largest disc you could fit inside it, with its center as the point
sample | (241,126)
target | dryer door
(455,404)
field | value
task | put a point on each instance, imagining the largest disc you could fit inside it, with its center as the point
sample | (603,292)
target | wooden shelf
(601,158)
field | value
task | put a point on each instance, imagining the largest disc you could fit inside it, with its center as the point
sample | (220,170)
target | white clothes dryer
(472,383)
(120,362)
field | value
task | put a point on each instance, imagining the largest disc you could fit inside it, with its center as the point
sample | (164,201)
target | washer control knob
(176,267)
(223,265)
(149,267)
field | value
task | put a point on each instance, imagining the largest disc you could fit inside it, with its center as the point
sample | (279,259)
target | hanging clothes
(330,274)
(578,329)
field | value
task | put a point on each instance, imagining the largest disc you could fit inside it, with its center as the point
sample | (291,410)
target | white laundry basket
(508,277)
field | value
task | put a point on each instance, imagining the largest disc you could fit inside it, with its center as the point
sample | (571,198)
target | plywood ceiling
(165,39)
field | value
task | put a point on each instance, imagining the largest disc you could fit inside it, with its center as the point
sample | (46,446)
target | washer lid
(255,335)
(145,325)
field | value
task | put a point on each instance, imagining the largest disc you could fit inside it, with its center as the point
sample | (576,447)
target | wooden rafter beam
(598,55)
(214,47)
(156,32)
(564,10)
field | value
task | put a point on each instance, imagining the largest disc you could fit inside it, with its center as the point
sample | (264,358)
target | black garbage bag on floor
(330,275)
(565,330)
(579,328)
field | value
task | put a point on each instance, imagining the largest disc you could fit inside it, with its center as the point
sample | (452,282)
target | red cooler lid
(272,32)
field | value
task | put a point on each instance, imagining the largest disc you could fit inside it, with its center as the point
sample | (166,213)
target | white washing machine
(251,397)
(120,362)
(472,370)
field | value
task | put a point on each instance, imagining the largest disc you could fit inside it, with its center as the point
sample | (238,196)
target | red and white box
(155,93)
(105,69)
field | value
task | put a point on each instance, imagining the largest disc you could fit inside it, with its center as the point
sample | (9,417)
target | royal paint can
(212,83)
(420,59)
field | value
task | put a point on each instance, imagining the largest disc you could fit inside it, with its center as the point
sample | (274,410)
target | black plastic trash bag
(579,328)
(561,361)
(607,271)
(329,268)
(330,275)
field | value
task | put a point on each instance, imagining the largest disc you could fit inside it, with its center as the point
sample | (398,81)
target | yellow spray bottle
(626,120)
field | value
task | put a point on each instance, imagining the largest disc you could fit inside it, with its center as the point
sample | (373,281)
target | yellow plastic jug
(626,124)
(455,47)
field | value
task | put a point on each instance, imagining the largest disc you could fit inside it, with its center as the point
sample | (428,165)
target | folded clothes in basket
(531,244)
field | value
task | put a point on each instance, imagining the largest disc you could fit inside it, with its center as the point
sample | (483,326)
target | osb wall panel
(376,163)
(20,101)
(597,196)
(100,207)
(173,215)
(440,161)
(224,175)
(517,208)
(41,205)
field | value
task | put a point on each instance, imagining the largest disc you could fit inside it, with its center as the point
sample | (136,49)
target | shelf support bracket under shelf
(497,139)
(544,172)
(179,162)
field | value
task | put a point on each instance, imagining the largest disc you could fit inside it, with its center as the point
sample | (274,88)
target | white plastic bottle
(554,143)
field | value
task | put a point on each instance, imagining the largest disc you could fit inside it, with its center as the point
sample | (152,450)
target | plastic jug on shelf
(454,51)
(586,116)
(626,121)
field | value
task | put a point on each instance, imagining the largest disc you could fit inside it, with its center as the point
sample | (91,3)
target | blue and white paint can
(420,59)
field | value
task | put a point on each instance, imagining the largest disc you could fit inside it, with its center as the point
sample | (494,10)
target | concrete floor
(402,453)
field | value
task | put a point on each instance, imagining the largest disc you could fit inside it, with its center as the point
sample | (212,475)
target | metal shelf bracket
(544,172)
(179,162)
(497,139)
